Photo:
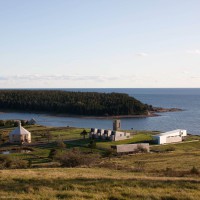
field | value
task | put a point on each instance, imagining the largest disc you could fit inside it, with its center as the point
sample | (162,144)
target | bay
(186,99)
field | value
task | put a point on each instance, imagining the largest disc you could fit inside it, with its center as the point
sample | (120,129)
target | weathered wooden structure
(131,148)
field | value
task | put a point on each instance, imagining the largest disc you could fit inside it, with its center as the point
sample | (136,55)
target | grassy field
(166,173)
(94,183)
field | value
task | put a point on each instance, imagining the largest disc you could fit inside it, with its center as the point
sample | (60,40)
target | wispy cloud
(195,51)
(38,77)
(195,77)
(142,54)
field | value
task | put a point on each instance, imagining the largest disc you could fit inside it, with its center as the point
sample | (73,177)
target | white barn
(170,137)
(20,135)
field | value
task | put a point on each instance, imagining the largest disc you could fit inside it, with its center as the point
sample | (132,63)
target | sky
(99,44)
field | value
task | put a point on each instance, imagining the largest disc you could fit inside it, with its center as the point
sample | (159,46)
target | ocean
(186,99)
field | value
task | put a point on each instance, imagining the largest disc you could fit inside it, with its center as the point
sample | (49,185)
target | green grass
(139,137)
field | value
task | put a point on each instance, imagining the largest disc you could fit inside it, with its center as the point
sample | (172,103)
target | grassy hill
(169,172)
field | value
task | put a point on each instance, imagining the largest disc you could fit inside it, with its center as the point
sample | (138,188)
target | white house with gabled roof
(20,135)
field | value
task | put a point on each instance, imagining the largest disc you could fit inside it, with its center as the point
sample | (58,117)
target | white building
(108,134)
(170,137)
(118,135)
(20,135)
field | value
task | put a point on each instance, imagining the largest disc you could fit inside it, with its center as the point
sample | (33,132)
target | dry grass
(88,183)
(139,176)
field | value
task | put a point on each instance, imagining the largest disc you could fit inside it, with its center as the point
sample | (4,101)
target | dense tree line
(74,103)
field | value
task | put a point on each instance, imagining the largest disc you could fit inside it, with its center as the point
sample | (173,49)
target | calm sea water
(186,99)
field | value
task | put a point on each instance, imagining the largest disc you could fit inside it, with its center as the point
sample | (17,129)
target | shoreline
(154,113)
(104,117)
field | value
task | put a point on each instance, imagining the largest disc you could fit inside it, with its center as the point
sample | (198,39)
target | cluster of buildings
(116,135)
(21,135)
(112,135)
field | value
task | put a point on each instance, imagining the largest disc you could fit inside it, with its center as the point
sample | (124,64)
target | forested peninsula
(72,103)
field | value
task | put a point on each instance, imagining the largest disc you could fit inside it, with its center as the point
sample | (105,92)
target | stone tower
(116,124)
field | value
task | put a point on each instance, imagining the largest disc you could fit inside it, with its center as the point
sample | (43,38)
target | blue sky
(99,43)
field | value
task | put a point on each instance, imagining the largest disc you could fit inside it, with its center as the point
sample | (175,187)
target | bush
(75,158)
(170,149)
(92,145)
(16,123)
(9,123)
(61,145)
(52,153)
(194,170)
(8,163)
(19,164)
(2,123)
(5,162)
(139,166)
(109,153)
(142,149)
(23,122)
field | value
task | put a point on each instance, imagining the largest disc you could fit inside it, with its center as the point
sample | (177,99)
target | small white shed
(170,137)
(20,135)
(32,121)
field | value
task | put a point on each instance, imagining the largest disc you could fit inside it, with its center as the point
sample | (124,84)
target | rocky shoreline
(161,110)
(153,113)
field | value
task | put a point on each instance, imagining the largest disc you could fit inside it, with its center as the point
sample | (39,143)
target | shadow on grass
(100,184)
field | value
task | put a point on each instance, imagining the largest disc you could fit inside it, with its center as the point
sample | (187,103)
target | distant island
(88,104)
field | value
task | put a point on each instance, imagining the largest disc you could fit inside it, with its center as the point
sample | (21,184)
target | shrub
(139,166)
(142,149)
(19,164)
(173,173)
(2,123)
(75,158)
(170,149)
(109,153)
(16,123)
(194,170)
(9,123)
(92,145)
(61,145)
(29,189)
(29,163)
(8,163)
(52,153)
(23,122)
(5,162)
